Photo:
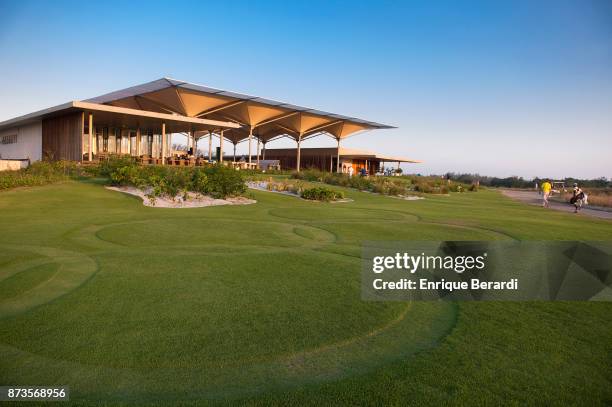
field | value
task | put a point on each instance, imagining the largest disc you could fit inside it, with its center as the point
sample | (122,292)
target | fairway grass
(261,304)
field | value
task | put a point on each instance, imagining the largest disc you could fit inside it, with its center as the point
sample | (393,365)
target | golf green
(261,303)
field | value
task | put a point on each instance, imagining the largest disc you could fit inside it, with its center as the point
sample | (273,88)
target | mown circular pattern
(46,273)
(208,322)
(182,232)
(231,306)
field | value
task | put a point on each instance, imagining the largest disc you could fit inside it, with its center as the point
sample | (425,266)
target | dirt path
(533,198)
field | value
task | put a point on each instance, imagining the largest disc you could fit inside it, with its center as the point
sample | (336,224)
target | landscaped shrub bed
(39,173)
(321,194)
(343,180)
(386,185)
(217,181)
(298,187)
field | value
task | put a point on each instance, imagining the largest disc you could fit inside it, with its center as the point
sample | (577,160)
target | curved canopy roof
(264,118)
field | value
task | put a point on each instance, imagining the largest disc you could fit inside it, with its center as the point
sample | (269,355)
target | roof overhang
(381,158)
(369,155)
(251,112)
(121,116)
(348,153)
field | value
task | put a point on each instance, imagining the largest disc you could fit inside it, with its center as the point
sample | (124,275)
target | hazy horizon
(499,89)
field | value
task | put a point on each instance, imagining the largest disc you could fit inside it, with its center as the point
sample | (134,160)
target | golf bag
(580,197)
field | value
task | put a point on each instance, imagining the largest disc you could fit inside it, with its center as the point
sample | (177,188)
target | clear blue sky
(499,88)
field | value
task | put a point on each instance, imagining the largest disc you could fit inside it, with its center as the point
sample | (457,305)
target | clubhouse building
(139,121)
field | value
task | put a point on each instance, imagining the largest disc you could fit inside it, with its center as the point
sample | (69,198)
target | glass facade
(112,140)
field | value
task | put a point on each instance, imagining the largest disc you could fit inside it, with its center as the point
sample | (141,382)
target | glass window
(10,139)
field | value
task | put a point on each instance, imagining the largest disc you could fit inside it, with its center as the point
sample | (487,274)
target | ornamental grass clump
(388,186)
(294,187)
(311,174)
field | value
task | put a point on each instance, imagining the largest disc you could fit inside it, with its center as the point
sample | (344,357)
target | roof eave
(75,104)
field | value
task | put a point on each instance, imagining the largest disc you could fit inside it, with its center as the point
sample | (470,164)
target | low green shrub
(321,194)
(360,183)
(199,181)
(122,175)
(106,167)
(39,173)
(224,181)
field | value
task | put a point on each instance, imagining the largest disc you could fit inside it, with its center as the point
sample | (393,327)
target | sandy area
(193,200)
(408,197)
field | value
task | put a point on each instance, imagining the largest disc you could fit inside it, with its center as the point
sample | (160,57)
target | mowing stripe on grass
(74,269)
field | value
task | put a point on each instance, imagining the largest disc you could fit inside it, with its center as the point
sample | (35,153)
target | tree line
(520,182)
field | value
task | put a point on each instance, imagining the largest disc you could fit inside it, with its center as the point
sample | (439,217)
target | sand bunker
(193,200)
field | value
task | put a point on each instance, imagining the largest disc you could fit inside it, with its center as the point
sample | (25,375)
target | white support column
(250,138)
(338,157)
(163,146)
(210,146)
(299,152)
(221,147)
(169,146)
(258,141)
(90,147)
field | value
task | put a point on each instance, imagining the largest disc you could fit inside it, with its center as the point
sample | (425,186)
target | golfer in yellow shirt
(546,187)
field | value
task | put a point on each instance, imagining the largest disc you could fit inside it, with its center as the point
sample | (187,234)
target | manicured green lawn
(261,304)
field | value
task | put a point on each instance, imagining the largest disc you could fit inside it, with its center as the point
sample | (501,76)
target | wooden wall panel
(62,137)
